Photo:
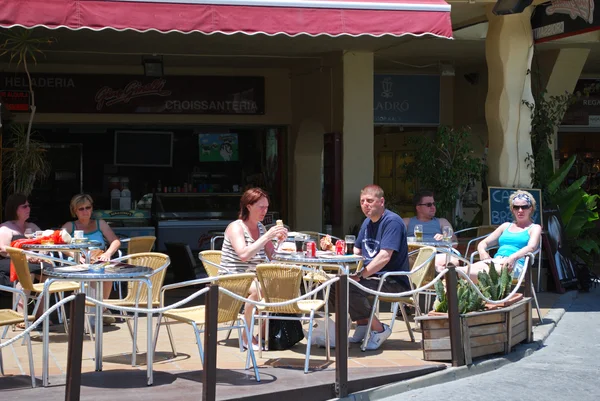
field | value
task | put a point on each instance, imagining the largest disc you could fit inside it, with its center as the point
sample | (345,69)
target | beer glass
(447,232)
(28,233)
(350,239)
(419,232)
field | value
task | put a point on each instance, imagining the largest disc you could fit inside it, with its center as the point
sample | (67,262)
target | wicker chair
(137,293)
(9,317)
(211,260)
(229,311)
(19,260)
(422,272)
(279,283)
(140,244)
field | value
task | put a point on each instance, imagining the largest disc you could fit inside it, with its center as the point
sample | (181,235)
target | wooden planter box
(483,333)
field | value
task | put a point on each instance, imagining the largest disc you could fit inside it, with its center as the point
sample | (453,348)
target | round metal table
(111,272)
(326,261)
(83,248)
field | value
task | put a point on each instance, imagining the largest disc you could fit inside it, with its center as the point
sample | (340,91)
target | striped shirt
(231,260)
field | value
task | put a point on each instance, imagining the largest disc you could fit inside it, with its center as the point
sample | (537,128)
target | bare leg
(440,261)
(253,296)
(107,287)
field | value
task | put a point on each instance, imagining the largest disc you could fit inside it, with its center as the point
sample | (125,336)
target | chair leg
(410,332)
(156,333)
(134,348)
(537,305)
(394,311)
(363,346)
(229,331)
(128,322)
(309,340)
(1,363)
(251,355)
(62,308)
(199,343)
(30,355)
(59,312)
(170,336)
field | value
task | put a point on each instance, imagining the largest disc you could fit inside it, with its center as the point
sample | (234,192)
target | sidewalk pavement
(551,317)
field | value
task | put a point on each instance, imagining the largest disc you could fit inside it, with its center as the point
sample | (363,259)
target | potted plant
(483,332)
(447,165)
(26,160)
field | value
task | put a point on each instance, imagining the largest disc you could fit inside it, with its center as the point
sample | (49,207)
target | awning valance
(269,17)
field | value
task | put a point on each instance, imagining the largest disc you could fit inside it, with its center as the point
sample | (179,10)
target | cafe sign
(584,111)
(406,99)
(130,94)
(562,18)
(15,100)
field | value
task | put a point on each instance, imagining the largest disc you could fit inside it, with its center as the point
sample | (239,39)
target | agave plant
(468,299)
(493,285)
(25,162)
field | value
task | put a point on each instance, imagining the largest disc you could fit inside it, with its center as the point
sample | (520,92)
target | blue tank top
(512,242)
(430,228)
(95,235)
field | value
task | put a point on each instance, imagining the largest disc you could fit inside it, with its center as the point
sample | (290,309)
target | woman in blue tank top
(515,239)
(82,207)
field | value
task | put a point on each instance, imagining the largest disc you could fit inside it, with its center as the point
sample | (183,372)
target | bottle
(115,199)
(158,187)
(125,203)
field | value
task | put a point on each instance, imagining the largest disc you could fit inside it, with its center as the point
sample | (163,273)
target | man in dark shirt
(382,242)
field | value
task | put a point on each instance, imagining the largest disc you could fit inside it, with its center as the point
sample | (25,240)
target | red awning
(269,17)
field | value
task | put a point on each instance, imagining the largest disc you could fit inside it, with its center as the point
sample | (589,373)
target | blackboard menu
(500,209)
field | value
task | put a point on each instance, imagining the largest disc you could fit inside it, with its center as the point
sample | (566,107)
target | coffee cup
(78,234)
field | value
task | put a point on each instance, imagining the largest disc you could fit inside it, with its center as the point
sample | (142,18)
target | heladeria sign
(118,94)
(561,18)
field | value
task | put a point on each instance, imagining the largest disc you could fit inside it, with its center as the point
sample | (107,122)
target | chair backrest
(212,257)
(19,261)
(424,267)
(155,261)
(239,284)
(279,283)
(183,263)
(140,244)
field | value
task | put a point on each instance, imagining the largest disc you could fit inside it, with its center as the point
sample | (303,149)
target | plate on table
(84,240)
(71,269)
(286,247)
(323,254)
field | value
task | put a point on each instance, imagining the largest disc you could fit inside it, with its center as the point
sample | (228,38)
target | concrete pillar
(509,51)
(358,135)
(559,71)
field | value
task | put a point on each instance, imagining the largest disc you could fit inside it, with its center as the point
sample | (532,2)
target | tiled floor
(397,352)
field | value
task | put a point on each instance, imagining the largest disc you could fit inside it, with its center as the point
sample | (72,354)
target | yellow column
(509,51)
(358,137)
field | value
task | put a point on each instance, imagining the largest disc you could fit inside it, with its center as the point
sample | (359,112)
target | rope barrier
(36,323)
(151,310)
(400,294)
(283,303)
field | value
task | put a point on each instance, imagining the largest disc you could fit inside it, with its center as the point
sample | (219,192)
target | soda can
(340,247)
(311,249)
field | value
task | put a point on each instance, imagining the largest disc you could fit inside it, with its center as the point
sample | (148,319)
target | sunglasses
(25,206)
(522,207)
(81,209)
(428,204)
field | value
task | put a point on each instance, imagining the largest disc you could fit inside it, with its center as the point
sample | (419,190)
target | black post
(209,371)
(341,336)
(458,356)
(75,348)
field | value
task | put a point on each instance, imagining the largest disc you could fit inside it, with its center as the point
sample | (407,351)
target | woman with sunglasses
(515,239)
(94,230)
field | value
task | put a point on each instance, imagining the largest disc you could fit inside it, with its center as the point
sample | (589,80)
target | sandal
(255,347)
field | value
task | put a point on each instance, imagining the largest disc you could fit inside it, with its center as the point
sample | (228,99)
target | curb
(541,332)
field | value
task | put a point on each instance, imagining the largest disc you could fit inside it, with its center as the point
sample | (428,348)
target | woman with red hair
(247,242)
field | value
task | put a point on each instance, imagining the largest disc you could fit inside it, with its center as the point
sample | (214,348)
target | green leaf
(560,175)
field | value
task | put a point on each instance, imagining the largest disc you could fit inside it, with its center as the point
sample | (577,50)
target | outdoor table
(84,248)
(327,261)
(112,272)
(446,245)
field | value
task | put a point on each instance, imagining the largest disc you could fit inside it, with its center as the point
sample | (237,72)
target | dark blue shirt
(388,232)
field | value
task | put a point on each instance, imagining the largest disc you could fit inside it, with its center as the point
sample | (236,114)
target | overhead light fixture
(153,66)
(506,7)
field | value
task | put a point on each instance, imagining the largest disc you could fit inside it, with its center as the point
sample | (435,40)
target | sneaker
(359,334)
(377,339)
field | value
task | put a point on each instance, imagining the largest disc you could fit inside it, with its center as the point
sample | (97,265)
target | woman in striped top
(247,242)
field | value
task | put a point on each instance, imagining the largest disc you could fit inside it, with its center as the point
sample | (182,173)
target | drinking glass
(350,240)
(447,232)
(419,232)
(299,239)
(28,233)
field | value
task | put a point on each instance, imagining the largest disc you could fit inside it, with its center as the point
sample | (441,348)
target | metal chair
(211,260)
(422,272)
(229,309)
(19,260)
(135,245)
(9,317)
(280,283)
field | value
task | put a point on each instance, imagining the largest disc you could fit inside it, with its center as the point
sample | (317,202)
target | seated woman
(516,239)
(94,230)
(17,210)
(247,243)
